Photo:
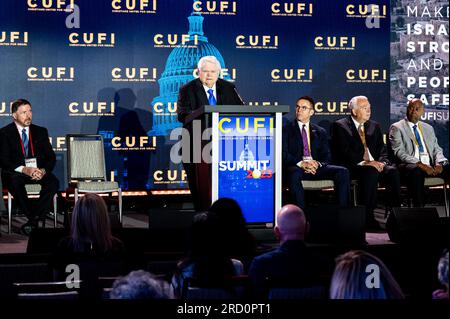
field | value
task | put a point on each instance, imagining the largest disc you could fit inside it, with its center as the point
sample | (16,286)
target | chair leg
(9,212)
(120,205)
(446,201)
(355,202)
(55,211)
(75,196)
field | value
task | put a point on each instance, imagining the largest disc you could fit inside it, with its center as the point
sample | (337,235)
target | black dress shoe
(26,229)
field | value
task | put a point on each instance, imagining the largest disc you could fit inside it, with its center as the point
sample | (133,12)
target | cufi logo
(90,39)
(257,41)
(300,9)
(162,176)
(134,5)
(215,7)
(13,38)
(59,73)
(334,43)
(49,5)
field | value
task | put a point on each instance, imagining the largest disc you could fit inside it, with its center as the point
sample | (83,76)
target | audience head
(360,108)
(360,275)
(140,285)
(22,112)
(90,224)
(443,269)
(304,109)
(228,212)
(291,224)
(208,70)
(414,110)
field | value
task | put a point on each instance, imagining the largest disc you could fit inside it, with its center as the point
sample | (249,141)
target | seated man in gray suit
(417,151)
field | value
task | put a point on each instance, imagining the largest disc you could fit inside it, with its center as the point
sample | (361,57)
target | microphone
(235,90)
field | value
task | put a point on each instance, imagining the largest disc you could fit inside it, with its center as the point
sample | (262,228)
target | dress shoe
(27,228)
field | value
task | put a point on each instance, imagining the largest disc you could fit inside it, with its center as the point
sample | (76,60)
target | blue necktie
(211,98)
(419,140)
(25,141)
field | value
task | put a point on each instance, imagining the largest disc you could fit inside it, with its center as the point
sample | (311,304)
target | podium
(235,151)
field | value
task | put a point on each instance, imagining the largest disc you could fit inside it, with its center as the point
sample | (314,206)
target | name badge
(31,162)
(425,158)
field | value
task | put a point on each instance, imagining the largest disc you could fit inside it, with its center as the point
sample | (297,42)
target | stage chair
(22,272)
(32,189)
(45,287)
(328,183)
(86,169)
(437,181)
(66,295)
(238,286)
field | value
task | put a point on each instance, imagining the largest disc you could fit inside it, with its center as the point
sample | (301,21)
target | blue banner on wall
(114,67)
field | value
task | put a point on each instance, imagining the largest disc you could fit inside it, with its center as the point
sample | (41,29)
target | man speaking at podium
(208,89)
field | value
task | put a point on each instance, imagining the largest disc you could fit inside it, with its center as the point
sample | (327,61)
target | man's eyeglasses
(303,107)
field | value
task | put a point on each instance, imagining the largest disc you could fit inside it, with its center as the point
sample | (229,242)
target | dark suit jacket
(293,144)
(347,147)
(12,156)
(291,265)
(193,96)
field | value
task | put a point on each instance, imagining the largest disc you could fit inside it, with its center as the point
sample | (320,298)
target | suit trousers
(338,174)
(15,182)
(415,179)
(368,178)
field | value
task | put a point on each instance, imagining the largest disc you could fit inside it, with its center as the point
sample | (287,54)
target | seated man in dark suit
(27,158)
(417,151)
(306,155)
(208,89)
(358,145)
(292,264)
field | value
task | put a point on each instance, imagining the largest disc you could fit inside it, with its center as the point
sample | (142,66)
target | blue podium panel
(246,164)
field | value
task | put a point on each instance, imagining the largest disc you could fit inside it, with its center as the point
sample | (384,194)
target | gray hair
(140,285)
(353,104)
(210,59)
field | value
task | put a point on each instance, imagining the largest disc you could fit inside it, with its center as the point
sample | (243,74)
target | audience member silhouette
(207,261)
(443,277)
(90,245)
(292,264)
(91,229)
(360,275)
(140,284)
(236,238)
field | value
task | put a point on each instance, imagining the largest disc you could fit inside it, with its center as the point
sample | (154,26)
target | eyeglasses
(303,107)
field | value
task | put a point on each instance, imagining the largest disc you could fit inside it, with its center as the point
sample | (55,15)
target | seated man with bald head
(292,264)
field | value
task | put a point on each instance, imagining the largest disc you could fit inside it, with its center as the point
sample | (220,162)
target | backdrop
(115,67)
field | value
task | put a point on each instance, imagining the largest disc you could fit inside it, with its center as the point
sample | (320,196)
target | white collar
(357,124)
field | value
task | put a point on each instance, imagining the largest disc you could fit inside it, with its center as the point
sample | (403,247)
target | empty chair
(11,273)
(67,295)
(236,288)
(52,289)
(86,169)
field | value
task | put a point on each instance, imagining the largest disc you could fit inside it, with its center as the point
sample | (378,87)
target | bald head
(291,223)
(414,110)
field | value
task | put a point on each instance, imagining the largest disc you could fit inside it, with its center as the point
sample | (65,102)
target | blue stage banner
(247,165)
